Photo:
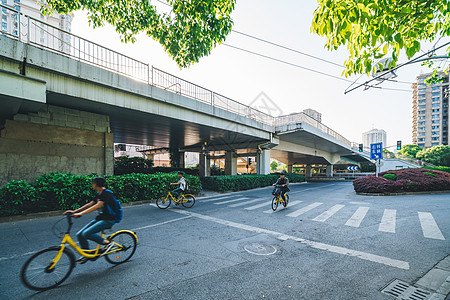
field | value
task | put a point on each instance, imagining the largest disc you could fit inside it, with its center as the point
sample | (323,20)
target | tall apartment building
(39,33)
(313,114)
(374,136)
(430,112)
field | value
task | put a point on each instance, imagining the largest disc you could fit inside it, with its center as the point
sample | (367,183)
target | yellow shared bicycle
(50,267)
(278,199)
(187,200)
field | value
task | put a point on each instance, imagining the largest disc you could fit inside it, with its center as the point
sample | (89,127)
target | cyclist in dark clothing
(103,220)
(283,182)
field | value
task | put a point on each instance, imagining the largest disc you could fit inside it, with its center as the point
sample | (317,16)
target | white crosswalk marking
(429,227)
(290,204)
(327,214)
(231,201)
(245,202)
(358,216)
(304,209)
(266,203)
(209,199)
(388,221)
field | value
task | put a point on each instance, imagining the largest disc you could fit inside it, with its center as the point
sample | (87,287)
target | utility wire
(304,68)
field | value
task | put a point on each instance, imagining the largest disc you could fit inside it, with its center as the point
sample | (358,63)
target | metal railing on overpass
(39,33)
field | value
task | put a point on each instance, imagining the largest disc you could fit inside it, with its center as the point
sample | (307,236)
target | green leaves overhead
(187,33)
(371,29)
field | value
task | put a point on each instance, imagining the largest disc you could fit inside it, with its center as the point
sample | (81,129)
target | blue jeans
(89,231)
(177,192)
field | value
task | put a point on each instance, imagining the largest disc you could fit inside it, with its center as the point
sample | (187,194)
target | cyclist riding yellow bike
(110,213)
(182,183)
(283,183)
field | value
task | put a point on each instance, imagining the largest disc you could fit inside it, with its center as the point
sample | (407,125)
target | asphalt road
(329,243)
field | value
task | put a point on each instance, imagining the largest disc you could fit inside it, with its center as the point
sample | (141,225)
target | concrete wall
(55,140)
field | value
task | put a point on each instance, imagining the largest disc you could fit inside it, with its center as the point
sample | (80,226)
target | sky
(243,76)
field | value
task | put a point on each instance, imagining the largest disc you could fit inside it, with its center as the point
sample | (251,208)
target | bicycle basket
(276,191)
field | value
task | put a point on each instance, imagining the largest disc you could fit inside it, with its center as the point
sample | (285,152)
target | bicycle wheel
(188,201)
(286,201)
(36,275)
(163,202)
(274,203)
(125,251)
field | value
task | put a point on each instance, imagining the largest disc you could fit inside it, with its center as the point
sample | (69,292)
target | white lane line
(266,203)
(388,221)
(327,214)
(429,227)
(304,209)
(358,216)
(270,211)
(317,245)
(231,201)
(159,224)
(217,198)
(245,202)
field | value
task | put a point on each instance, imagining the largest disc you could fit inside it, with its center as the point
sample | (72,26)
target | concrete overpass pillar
(308,171)
(181,160)
(230,163)
(329,170)
(290,168)
(263,162)
(201,165)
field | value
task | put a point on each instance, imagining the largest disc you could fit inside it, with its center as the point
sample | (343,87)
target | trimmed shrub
(391,177)
(244,182)
(61,191)
(443,169)
(408,180)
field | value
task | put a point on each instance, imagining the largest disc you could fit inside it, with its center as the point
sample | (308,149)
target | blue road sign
(376,151)
(352,168)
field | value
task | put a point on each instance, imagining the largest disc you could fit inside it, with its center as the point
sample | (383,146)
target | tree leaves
(189,32)
(370,29)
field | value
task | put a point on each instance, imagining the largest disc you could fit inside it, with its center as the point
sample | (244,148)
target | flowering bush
(407,180)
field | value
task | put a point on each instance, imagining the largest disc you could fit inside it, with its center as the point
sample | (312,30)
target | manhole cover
(402,290)
(260,249)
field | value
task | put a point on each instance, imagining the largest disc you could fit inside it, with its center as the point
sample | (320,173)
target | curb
(404,193)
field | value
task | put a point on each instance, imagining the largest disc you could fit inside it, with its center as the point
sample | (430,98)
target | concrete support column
(308,171)
(181,160)
(263,162)
(289,168)
(108,145)
(230,163)
(201,165)
(329,170)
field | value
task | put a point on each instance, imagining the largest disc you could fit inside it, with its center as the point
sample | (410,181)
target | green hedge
(443,169)
(244,182)
(61,191)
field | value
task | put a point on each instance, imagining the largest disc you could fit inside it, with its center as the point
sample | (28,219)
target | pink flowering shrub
(408,180)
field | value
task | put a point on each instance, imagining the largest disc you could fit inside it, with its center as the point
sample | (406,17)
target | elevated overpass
(67,100)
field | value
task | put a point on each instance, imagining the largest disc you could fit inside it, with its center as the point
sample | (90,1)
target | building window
(422,101)
(434,121)
(421,95)
(435,127)
(435,133)
(435,110)
(435,116)
(422,84)
(4,26)
(421,140)
(435,99)
(421,106)
(422,112)
(434,144)
(421,117)
(421,133)
(421,123)
(435,105)
(422,128)
(421,145)
(435,88)
(17,7)
(422,90)
(435,94)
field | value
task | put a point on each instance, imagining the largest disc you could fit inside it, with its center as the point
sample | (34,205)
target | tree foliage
(187,33)
(373,29)
(437,155)
(273,165)
(410,150)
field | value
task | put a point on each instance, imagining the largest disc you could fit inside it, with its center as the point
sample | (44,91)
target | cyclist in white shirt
(182,185)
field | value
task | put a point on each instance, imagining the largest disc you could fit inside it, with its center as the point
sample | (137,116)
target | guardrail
(42,34)
(304,118)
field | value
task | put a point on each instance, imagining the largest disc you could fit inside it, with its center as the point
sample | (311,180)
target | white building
(44,35)
(313,114)
(374,136)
